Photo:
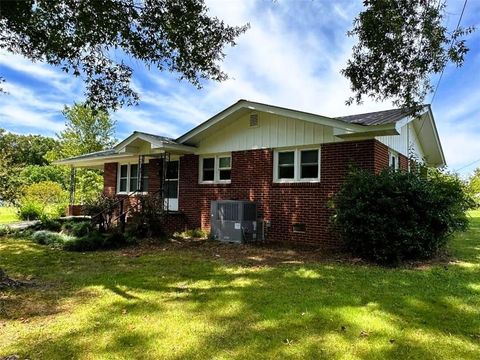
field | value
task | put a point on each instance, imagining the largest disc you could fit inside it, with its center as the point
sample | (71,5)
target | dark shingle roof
(93,155)
(164,139)
(376,118)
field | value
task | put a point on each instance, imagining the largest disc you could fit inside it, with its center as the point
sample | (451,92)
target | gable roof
(242,106)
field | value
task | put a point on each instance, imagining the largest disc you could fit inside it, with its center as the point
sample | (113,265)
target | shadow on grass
(172,305)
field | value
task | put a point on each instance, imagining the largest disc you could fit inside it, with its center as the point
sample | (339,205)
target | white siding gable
(273,131)
(406,143)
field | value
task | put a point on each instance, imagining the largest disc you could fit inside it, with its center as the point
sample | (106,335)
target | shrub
(148,220)
(93,241)
(77,229)
(29,210)
(53,239)
(50,224)
(5,230)
(45,199)
(395,216)
(193,233)
(102,210)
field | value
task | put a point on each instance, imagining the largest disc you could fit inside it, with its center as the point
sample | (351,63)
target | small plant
(50,224)
(78,229)
(193,233)
(5,230)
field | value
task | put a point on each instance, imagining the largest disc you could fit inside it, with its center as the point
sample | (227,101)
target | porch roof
(138,143)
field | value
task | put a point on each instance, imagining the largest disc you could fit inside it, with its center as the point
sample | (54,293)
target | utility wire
(466,166)
(451,44)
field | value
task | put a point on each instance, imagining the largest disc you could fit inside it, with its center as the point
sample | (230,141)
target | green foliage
(474,186)
(24,150)
(102,210)
(401,43)
(175,35)
(29,210)
(147,221)
(78,229)
(193,233)
(50,238)
(50,225)
(86,130)
(45,199)
(396,216)
(5,230)
(32,174)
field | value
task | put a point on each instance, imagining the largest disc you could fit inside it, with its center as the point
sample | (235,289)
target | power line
(451,44)
(466,166)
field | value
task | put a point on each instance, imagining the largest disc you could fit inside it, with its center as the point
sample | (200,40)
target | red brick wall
(110,179)
(402,162)
(282,204)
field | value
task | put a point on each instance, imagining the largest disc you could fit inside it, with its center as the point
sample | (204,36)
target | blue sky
(291,56)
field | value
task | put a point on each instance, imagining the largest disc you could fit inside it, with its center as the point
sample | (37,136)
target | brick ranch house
(289,162)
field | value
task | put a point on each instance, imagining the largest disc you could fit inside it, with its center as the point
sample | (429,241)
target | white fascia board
(133,137)
(94,162)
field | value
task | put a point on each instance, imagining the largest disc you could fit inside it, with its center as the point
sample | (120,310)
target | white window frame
(297,166)
(216,170)
(393,154)
(129,164)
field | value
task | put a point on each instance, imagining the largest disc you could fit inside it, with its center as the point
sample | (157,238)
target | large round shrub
(45,199)
(396,216)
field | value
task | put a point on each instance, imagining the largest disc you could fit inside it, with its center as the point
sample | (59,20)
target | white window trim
(393,153)
(216,170)
(128,192)
(297,166)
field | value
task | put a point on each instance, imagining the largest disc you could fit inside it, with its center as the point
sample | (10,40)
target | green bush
(396,216)
(77,229)
(50,224)
(29,210)
(5,230)
(193,233)
(43,200)
(53,239)
(102,210)
(97,241)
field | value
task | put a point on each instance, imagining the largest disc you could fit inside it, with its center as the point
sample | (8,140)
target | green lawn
(8,215)
(182,302)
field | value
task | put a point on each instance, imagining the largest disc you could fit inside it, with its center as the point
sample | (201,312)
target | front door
(171,186)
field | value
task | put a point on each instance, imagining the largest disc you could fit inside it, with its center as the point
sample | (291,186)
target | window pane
(309,157)
(123,185)
(172,170)
(224,162)
(145,184)
(209,163)
(133,184)
(286,172)
(309,172)
(123,171)
(145,170)
(208,175)
(286,158)
(134,170)
(171,189)
(225,174)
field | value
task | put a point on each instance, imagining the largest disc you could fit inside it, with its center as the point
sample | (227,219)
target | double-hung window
(297,165)
(129,178)
(215,169)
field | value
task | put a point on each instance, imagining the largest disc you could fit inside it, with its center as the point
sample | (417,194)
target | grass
(178,303)
(8,215)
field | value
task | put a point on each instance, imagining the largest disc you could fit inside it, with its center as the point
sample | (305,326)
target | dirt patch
(245,254)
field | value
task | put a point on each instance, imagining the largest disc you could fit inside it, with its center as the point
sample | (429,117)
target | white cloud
(17,116)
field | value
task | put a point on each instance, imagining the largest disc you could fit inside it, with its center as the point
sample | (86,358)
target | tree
(401,43)
(25,149)
(86,130)
(17,152)
(84,37)
(474,185)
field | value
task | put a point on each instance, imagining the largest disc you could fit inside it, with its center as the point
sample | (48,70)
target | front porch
(141,166)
